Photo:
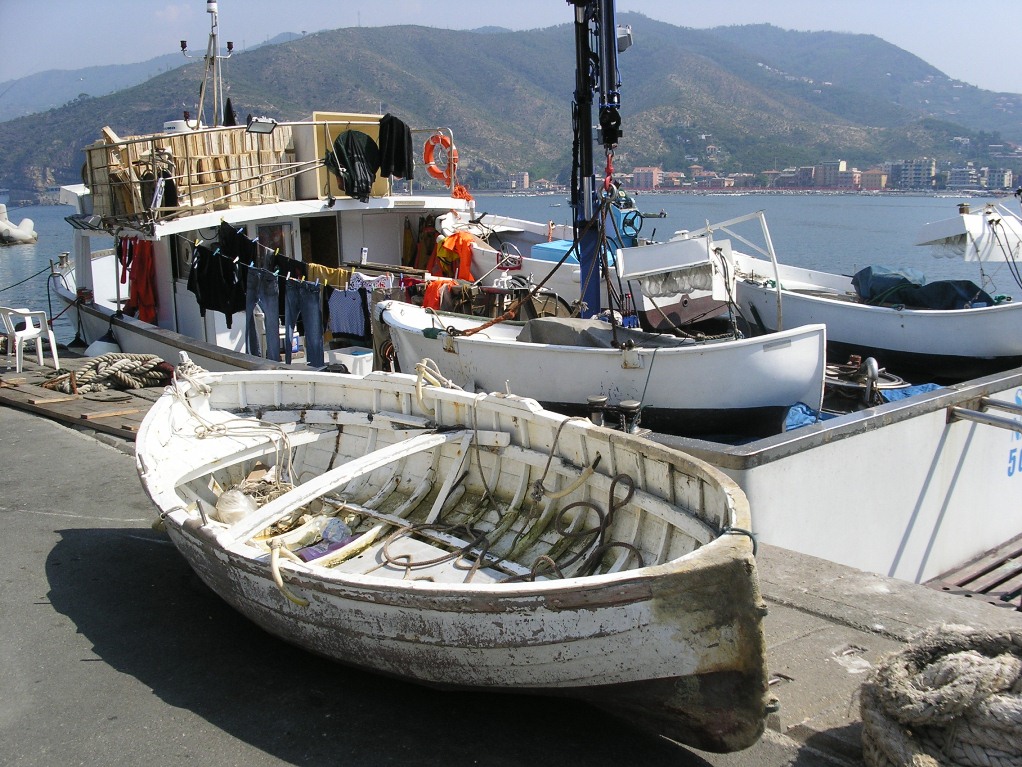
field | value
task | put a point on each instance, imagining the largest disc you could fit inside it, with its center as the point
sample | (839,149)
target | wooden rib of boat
(468,541)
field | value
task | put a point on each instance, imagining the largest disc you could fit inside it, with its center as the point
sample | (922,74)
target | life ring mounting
(441,157)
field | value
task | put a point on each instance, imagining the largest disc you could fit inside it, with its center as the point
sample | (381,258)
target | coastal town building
(647,178)
(519,181)
(874,180)
(828,173)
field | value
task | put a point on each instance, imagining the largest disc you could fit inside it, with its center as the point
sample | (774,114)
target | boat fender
(441,168)
(102,346)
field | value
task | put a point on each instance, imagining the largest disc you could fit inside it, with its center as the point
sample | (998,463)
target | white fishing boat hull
(676,647)
(912,489)
(927,344)
(744,386)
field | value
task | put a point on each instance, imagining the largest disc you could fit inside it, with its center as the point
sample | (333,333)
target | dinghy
(467,541)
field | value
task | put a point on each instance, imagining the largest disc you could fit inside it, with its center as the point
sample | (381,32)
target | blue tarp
(803,415)
(879,285)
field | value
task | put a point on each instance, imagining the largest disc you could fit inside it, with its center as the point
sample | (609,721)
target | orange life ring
(448,157)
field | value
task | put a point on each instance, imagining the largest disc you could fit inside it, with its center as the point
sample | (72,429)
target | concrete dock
(114,653)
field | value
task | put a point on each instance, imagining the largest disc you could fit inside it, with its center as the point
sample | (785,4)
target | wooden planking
(118,413)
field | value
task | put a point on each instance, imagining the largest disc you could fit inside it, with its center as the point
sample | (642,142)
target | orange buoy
(440,165)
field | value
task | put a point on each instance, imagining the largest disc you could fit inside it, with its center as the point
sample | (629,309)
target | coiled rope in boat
(952,696)
(118,370)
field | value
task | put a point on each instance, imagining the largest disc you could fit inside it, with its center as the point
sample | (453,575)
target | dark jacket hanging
(355,159)
(395,148)
(216,282)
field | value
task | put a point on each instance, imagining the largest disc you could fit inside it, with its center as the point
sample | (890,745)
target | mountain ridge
(762,96)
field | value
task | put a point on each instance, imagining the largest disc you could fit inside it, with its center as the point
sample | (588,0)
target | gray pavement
(113,653)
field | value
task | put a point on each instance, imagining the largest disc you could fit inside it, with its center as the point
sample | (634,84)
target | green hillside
(762,96)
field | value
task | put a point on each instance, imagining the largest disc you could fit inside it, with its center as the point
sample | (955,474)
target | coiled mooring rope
(952,696)
(118,370)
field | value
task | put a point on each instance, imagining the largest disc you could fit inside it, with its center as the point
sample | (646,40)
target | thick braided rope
(952,696)
(120,370)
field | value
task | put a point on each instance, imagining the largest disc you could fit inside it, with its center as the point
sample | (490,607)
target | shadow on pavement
(146,614)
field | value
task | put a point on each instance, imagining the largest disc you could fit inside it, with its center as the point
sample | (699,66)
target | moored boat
(16,234)
(729,388)
(467,541)
(204,208)
(943,331)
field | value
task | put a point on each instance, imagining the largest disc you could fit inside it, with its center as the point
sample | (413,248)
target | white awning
(993,234)
(678,266)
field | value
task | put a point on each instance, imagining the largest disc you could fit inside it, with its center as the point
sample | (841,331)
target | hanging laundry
(369,284)
(354,160)
(261,289)
(235,245)
(142,302)
(347,310)
(328,275)
(287,267)
(302,301)
(216,283)
(396,157)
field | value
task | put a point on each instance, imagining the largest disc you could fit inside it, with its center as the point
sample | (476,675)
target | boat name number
(1015,454)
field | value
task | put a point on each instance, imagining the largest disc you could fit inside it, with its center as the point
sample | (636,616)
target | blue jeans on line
(301,299)
(261,288)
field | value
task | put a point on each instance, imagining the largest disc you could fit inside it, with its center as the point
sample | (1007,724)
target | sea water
(839,233)
(25,268)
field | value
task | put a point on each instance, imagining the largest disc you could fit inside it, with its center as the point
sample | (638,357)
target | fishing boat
(944,331)
(725,388)
(204,208)
(467,542)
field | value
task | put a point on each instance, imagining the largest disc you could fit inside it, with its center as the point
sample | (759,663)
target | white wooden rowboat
(493,545)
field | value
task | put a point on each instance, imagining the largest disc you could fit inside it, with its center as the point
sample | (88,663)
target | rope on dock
(116,370)
(952,696)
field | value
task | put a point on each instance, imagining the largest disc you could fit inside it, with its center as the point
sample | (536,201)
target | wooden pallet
(116,412)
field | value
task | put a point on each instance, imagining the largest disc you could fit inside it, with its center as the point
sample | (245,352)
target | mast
(212,76)
(596,49)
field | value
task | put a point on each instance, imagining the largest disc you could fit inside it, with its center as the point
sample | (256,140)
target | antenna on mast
(212,74)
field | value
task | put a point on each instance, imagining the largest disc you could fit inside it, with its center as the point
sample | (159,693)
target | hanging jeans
(301,299)
(261,288)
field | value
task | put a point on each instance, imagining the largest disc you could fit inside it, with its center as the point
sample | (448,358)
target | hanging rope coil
(116,370)
(953,696)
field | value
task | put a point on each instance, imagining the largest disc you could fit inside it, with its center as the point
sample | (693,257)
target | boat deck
(115,412)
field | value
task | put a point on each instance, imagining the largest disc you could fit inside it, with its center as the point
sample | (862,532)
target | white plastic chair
(36,325)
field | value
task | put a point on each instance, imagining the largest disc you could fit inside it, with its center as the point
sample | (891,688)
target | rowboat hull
(697,389)
(675,647)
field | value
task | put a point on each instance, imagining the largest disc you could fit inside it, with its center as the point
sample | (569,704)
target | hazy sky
(965,41)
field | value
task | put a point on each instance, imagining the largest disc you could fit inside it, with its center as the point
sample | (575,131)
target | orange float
(448,157)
